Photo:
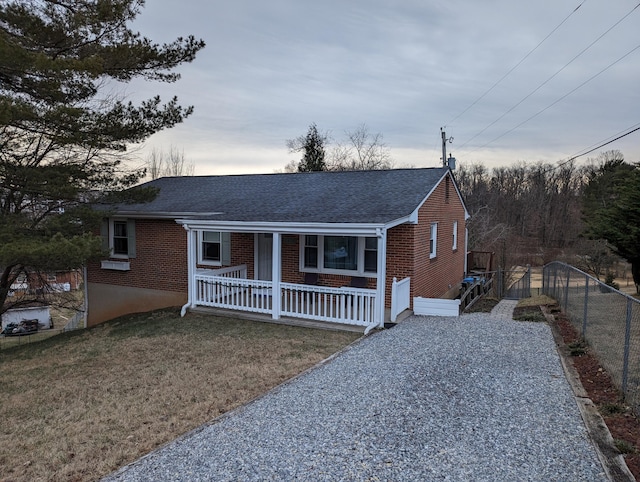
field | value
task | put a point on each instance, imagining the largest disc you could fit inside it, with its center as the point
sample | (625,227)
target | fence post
(527,293)
(586,303)
(627,336)
(500,281)
(566,293)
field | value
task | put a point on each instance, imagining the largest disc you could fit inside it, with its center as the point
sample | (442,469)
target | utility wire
(515,66)
(630,130)
(608,140)
(559,99)
(550,78)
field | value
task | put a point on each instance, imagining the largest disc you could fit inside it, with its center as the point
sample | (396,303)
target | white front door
(264,262)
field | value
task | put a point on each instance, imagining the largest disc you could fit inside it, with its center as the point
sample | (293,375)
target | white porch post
(382,276)
(276,276)
(191,269)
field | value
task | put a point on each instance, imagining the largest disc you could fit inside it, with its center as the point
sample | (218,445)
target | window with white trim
(455,235)
(433,240)
(119,237)
(339,254)
(214,248)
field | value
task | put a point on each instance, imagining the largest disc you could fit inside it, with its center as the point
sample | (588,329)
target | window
(119,237)
(433,240)
(339,254)
(311,251)
(214,248)
(371,255)
(455,235)
(211,246)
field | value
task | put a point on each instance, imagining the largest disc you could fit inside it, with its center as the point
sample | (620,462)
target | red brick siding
(160,262)
(434,277)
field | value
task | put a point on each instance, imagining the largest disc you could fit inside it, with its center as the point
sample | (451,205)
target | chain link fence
(75,323)
(608,320)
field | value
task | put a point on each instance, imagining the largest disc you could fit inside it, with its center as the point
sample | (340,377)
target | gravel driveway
(469,398)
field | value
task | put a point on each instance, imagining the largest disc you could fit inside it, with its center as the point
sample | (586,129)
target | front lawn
(79,405)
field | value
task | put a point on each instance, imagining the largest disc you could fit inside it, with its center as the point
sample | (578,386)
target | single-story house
(326,246)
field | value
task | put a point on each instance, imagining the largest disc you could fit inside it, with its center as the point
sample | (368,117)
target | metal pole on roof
(444,147)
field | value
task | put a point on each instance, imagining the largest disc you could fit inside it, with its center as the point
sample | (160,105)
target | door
(264,263)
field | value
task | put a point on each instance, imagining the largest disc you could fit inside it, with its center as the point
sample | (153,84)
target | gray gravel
(469,398)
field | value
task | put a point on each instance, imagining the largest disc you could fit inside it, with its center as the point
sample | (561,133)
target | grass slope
(80,405)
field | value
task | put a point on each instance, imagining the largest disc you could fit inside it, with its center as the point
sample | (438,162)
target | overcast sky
(404,68)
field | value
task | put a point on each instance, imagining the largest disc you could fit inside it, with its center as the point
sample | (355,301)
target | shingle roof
(314,197)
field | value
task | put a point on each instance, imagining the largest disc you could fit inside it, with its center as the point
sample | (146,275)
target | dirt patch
(483,305)
(621,421)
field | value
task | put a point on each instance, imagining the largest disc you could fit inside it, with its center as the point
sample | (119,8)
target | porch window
(211,246)
(371,255)
(311,251)
(214,248)
(433,240)
(339,254)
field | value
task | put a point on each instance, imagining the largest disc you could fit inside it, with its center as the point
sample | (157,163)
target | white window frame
(112,232)
(321,269)
(455,236)
(433,240)
(208,262)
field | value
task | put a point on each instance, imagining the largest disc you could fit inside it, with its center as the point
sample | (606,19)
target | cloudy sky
(405,69)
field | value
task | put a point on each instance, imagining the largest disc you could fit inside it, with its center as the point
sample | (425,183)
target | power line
(516,66)
(631,130)
(559,99)
(550,78)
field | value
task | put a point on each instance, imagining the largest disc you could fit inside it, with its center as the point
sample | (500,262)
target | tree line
(587,215)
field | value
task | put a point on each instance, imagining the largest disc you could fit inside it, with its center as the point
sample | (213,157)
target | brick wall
(160,262)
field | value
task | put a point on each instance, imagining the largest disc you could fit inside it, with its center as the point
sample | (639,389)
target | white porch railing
(233,293)
(353,306)
(400,297)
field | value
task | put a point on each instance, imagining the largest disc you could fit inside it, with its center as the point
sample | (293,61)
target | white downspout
(380,281)
(190,270)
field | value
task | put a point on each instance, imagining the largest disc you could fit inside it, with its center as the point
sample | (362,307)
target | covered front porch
(276,279)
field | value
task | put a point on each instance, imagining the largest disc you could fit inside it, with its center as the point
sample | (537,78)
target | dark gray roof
(314,197)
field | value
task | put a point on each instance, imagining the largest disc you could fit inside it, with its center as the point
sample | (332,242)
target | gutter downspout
(380,282)
(190,270)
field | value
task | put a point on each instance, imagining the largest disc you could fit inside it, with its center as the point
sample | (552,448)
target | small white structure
(436,307)
(16,315)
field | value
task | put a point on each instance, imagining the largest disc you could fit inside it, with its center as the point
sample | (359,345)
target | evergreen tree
(63,135)
(313,149)
(611,209)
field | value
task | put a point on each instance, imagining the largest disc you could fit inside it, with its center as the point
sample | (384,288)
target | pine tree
(611,209)
(314,154)
(63,135)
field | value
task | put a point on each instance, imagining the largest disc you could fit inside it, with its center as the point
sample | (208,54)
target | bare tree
(171,163)
(362,151)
